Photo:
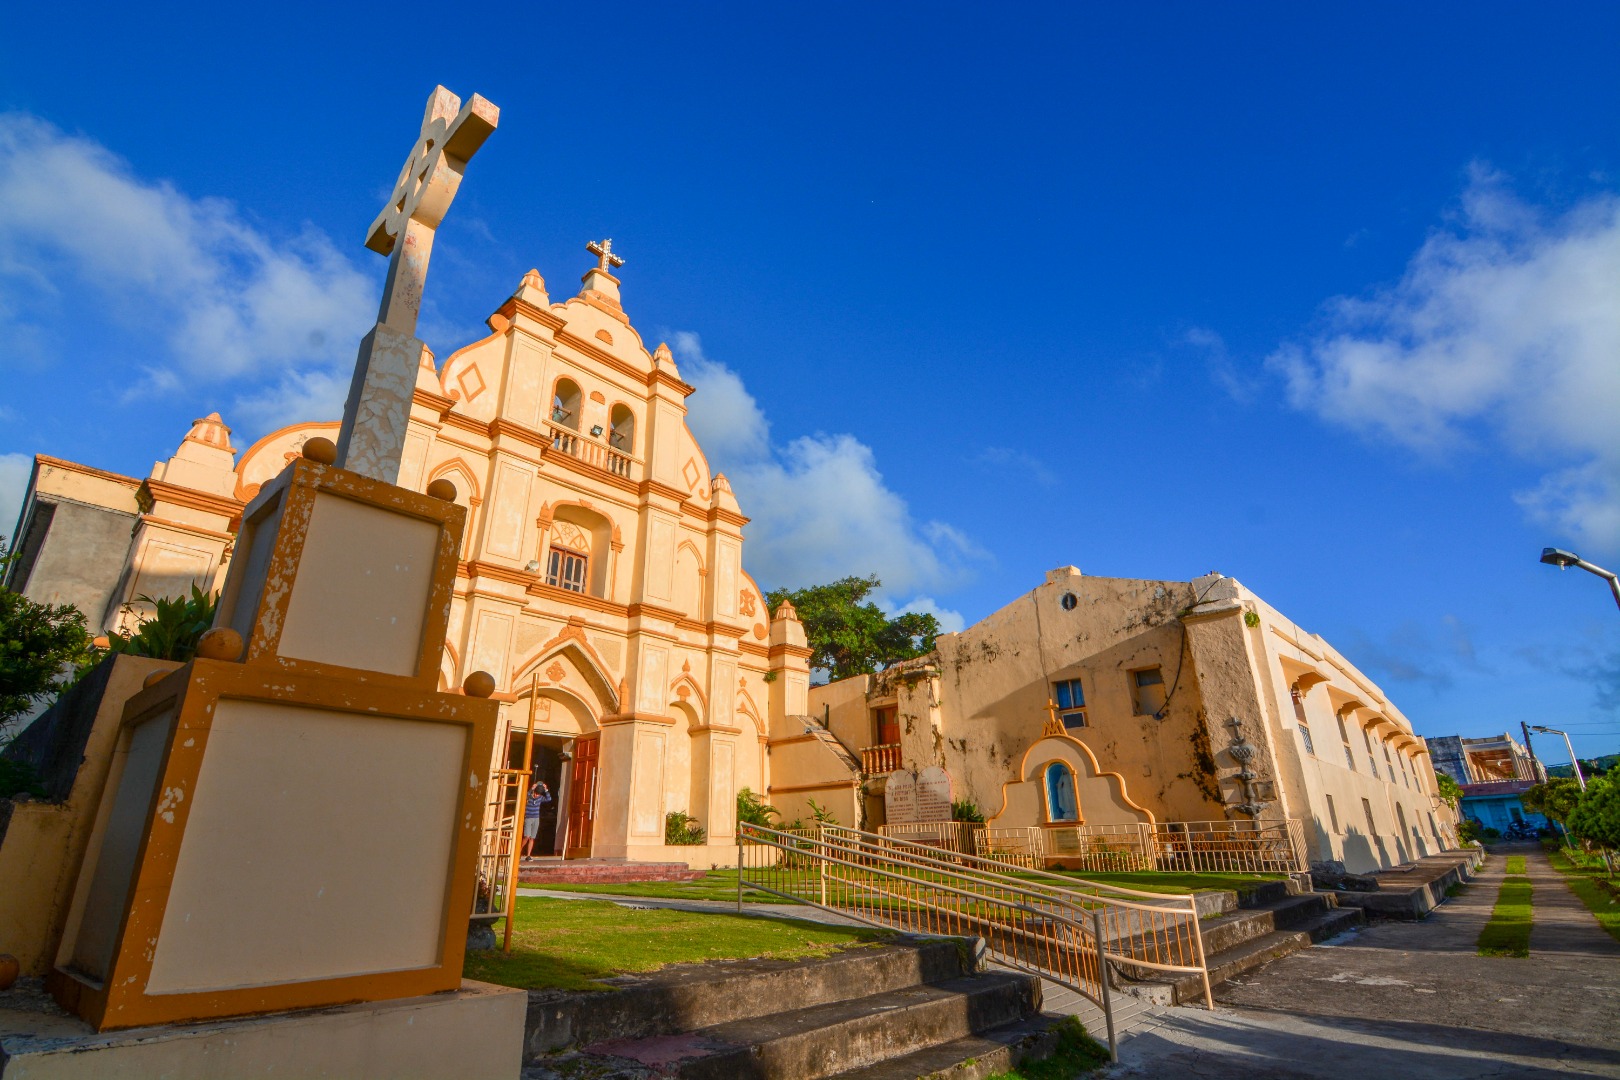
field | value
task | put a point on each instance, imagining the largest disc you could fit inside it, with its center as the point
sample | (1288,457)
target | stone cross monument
(378,410)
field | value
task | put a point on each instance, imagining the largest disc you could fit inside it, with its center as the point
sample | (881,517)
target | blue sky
(1323,300)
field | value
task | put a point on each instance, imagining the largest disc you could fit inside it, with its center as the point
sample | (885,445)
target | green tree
(850,635)
(42,646)
(1555,799)
(1596,816)
(1450,791)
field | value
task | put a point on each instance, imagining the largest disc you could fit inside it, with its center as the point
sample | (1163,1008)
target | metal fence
(1273,847)
(1072,931)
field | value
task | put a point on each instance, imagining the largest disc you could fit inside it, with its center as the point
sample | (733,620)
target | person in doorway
(539,795)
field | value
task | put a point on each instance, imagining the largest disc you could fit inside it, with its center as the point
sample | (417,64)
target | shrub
(965,810)
(752,810)
(172,630)
(681,829)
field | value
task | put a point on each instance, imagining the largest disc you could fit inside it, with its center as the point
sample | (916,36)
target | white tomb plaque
(912,797)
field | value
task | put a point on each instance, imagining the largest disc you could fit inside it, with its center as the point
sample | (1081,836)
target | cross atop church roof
(603,250)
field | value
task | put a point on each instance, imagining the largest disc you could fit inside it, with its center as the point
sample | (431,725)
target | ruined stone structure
(1153,700)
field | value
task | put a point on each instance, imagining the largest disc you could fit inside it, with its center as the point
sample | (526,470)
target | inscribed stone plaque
(910,797)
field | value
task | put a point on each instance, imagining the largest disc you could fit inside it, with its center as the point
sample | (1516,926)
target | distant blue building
(1498,805)
(1494,774)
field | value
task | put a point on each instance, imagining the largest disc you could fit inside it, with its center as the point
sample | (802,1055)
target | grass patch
(1167,882)
(1598,896)
(1508,932)
(1515,865)
(714,885)
(1077,1052)
(722,884)
(1456,889)
(575,944)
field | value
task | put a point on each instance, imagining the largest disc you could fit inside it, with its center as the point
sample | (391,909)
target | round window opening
(1068,600)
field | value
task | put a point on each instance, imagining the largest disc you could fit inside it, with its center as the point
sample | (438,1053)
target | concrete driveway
(1412,1000)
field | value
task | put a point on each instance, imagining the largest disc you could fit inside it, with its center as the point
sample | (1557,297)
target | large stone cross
(605,259)
(377,413)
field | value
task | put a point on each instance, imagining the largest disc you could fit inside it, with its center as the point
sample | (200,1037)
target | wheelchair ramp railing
(1068,930)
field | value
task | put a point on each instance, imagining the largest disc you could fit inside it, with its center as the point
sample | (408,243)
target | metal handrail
(1062,933)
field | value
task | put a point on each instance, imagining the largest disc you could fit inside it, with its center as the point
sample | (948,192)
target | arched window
(1061,804)
(622,436)
(565,404)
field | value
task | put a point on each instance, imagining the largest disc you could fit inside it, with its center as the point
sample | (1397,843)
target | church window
(1389,763)
(1061,804)
(567,570)
(1372,826)
(1333,815)
(1299,718)
(1071,702)
(1372,762)
(1344,737)
(622,433)
(565,404)
(1147,689)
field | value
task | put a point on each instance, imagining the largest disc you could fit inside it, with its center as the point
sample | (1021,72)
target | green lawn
(1508,932)
(574,944)
(722,885)
(1583,881)
(1515,865)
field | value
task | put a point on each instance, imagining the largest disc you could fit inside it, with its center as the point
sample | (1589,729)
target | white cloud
(820,508)
(226,300)
(727,421)
(14,472)
(1506,328)
(950,620)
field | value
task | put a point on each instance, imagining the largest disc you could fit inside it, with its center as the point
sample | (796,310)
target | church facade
(601,581)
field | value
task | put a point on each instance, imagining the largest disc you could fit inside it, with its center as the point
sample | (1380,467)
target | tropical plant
(821,815)
(171,631)
(1596,817)
(41,648)
(1555,799)
(682,829)
(1451,792)
(850,635)
(752,810)
(965,810)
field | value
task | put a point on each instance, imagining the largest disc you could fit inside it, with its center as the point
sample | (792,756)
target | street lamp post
(1579,779)
(1566,559)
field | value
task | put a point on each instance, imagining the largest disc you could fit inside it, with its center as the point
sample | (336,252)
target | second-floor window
(1147,691)
(1071,702)
(886,721)
(567,570)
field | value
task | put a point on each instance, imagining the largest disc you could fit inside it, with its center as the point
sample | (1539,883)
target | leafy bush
(172,630)
(681,829)
(18,778)
(1596,817)
(821,815)
(1468,831)
(1451,792)
(41,648)
(752,810)
(964,810)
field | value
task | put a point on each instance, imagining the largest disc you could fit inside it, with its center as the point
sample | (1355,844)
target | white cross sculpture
(605,259)
(377,413)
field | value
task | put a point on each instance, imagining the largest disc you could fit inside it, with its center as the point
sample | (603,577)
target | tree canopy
(1596,816)
(1555,799)
(849,634)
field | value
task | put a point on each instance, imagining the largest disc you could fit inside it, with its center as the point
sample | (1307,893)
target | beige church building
(601,580)
(1112,702)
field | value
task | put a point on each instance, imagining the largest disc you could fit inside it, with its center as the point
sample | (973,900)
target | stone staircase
(1245,931)
(918,1007)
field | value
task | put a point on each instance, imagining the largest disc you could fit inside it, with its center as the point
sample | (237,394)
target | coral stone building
(601,579)
(1109,701)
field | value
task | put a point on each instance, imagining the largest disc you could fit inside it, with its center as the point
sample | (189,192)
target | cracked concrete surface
(1412,1000)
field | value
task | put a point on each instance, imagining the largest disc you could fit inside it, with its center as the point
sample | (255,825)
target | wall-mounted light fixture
(596,431)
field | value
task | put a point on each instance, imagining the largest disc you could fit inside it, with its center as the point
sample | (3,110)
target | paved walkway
(1411,1000)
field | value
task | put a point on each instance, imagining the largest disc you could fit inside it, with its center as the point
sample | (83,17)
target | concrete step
(685,997)
(1245,956)
(971,1058)
(841,1036)
(1246,924)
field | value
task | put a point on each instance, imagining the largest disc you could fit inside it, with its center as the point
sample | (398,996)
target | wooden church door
(582,798)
